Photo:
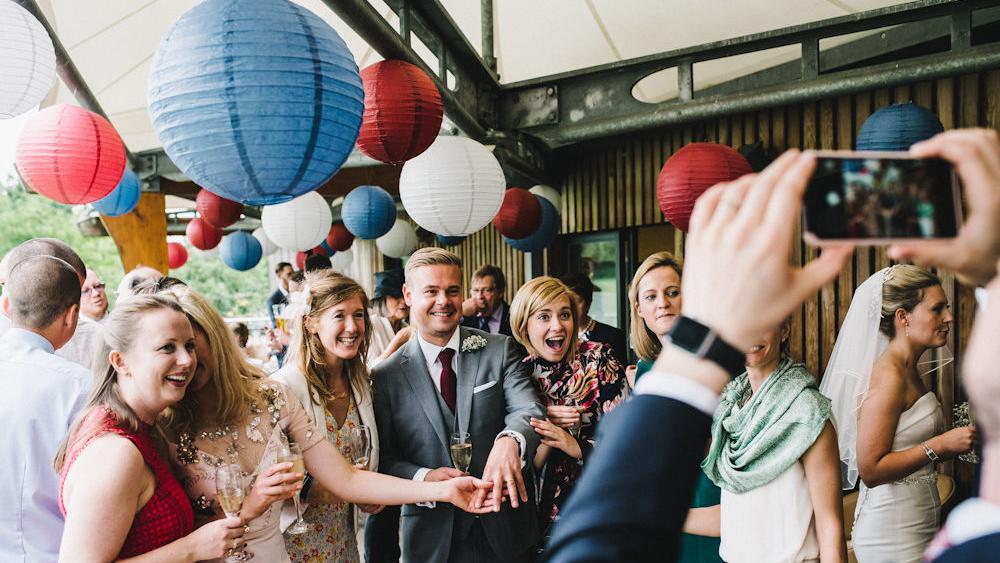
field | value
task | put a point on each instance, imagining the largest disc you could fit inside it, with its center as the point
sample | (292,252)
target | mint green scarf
(754,443)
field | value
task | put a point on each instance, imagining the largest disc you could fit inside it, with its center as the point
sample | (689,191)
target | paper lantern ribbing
(177,255)
(897,127)
(449,241)
(692,170)
(403,111)
(240,251)
(454,188)
(549,193)
(400,241)
(299,224)
(300,260)
(267,247)
(368,212)
(70,155)
(547,229)
(123,199)
(217,211)
(519,215)
(29,61)
(339,238)
(201,235)
(259,102)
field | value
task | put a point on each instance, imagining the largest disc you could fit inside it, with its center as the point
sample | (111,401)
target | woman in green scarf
(774,454)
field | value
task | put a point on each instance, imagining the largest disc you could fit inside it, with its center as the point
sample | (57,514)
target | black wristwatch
(696,338)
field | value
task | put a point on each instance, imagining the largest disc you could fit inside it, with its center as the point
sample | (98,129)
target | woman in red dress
(117,493)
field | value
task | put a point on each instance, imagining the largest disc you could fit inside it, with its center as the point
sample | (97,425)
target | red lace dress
(167,516)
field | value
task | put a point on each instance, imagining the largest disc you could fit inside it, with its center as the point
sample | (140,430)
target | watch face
(688,334)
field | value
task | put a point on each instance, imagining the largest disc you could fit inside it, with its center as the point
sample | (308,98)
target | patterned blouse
(593,380)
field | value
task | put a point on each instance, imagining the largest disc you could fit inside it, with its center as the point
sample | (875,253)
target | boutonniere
(473,343)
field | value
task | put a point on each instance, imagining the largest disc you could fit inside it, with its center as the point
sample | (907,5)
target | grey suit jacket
(494,393)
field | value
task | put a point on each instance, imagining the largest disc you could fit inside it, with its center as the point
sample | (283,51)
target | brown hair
(432,256)
(40,288)
(644,341)
(904,289)
(533,296)
(119,330)
(326,289)
(489,270)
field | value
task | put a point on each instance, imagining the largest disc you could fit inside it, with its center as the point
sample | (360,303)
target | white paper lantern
(203,254)
(549,193)
(266,244)
(27,61)
(401,240)
(342,260)
(299,224)
(454,188)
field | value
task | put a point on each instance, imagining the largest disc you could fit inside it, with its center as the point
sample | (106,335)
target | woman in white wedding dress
(889,425)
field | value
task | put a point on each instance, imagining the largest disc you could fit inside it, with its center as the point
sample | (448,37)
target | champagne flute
(574,430)
(279,315)
(361,443)
(229,488)
(461,451)
(293,454)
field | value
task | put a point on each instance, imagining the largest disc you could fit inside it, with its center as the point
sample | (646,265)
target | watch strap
(703,342)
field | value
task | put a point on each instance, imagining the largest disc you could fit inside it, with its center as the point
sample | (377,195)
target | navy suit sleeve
(632,498)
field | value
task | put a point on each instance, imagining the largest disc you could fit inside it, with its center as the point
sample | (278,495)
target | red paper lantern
(402,111)
(177,255)
(201,235)
(300,260)
(317,250)
(519,215)
(70,155)
(218,212)
(692,170)
(340,238)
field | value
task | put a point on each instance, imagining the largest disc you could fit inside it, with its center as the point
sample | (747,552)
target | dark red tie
(448,379)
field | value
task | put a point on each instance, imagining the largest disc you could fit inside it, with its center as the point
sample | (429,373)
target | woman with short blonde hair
(655,299)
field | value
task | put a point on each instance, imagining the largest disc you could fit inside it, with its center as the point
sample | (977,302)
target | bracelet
(931,454)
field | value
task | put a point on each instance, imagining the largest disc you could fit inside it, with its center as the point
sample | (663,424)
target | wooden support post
(141,236)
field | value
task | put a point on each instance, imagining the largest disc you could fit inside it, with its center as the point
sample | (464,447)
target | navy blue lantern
(240,251)
(449,241)
(897,127)
(123,199)
(545,233)
(368,212)
(257,101)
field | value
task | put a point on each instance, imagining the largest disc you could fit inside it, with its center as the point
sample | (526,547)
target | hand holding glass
(229,488)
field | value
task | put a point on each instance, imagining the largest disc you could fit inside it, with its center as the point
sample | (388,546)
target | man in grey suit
(456,379)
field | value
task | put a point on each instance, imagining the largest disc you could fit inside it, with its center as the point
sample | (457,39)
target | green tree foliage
(24,216)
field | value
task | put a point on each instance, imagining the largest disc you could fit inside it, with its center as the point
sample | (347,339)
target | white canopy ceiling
(112,41)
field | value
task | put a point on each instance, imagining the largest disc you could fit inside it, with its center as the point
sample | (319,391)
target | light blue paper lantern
(240,251)
(897,127)
(368,212)
(449,241)
(123,199)
(258,101)
(545,233)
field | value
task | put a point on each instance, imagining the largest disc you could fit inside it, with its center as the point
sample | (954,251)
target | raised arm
(822,467)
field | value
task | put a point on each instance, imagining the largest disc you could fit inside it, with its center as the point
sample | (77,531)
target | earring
(907,328)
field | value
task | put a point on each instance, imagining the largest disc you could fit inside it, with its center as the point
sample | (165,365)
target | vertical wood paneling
(812,351)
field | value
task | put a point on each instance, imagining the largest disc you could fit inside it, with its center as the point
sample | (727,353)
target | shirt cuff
(519,438)
(680,388)
(420,475)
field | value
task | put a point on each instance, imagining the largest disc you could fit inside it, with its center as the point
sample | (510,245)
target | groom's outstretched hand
(503,469)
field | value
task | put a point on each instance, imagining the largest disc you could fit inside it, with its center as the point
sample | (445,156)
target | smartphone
(877,197)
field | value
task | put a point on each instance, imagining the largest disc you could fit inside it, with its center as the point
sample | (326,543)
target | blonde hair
(534,295)
(431,256)
(644,341)
(903,289)
(233,377)
(118,331)
(326,289)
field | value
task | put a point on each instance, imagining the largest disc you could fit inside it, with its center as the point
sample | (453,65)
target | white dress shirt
(80,348)
(42,394)
(680,388)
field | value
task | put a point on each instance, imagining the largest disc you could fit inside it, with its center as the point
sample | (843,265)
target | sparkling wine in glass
(230,489)
(461,451)
(361,445)
(574,430)
(293,454)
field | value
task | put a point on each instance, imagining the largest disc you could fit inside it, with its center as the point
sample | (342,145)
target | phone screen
(860,197)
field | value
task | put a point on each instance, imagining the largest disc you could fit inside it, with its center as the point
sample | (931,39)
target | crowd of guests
(118,422)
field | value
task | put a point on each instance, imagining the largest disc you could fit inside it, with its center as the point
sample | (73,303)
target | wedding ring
(729,203)
(509,481)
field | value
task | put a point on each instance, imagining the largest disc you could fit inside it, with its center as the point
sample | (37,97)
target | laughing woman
(579,384)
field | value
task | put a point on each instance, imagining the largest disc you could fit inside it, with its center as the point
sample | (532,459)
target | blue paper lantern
(897,127)
(258,101)
(545,233)
(123,199)
(240,251)
(449,241)
(368,212)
